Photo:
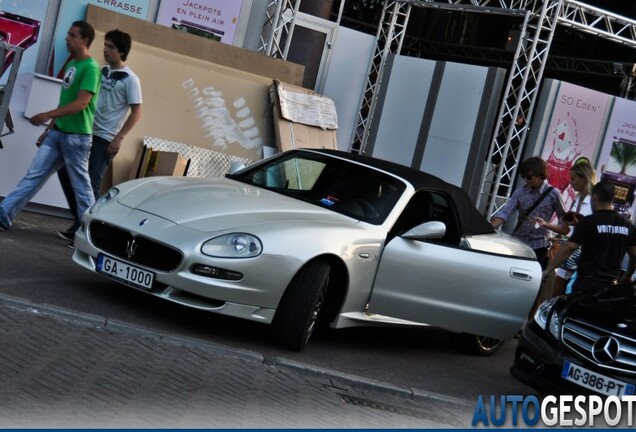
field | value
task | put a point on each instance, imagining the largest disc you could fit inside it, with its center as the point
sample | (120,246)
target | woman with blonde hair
(582,178)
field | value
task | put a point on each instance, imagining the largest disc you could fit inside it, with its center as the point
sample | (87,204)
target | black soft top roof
(471,220)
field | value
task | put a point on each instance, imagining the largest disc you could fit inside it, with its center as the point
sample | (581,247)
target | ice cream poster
(575,130)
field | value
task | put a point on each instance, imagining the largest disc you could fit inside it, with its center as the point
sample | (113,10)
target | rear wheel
(297,314)
(475,344)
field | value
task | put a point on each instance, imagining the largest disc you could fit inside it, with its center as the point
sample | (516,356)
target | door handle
(517,273)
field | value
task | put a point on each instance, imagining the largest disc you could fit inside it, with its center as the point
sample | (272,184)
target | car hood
(213,203)
(612,308)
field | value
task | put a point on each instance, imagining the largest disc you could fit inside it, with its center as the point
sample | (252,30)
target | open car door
(454,288)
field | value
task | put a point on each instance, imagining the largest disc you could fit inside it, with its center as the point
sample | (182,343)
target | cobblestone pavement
(60,368)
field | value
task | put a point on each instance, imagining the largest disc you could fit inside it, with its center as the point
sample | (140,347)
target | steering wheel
(369,211)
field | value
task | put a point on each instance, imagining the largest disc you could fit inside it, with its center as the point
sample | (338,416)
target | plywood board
(193,46)
(195,91)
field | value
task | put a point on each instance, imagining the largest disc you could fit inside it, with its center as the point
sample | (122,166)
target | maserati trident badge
(131,248)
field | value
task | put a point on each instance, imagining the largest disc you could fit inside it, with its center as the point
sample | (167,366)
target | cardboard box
(164,163)
(151,163)
(302,118)
(140,163)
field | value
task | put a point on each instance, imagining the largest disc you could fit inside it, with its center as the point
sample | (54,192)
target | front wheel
(297,313)
(476,344)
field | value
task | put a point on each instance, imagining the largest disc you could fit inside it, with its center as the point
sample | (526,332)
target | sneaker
(67,235)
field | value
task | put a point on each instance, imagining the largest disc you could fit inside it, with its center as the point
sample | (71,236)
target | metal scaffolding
(389,40)
(6,90)
(540,19)
(277,32)
(518,101)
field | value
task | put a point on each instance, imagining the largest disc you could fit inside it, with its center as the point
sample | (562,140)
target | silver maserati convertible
(311,237)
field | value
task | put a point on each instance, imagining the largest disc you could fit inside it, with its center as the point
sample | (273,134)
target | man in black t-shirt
(605,237)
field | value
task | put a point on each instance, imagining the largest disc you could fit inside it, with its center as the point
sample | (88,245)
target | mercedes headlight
(555,325)
(235,245)
(112,193)
(546,320)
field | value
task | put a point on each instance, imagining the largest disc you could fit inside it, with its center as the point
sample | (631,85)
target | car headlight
(547,320)
(555,325)
(235,245)
(112,193)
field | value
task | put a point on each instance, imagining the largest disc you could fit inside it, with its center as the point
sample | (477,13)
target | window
(426,206)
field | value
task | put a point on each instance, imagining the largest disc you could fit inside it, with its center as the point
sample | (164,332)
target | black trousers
(542,257)
(586,283)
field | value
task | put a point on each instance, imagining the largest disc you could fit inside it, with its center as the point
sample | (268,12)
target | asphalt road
(36,265)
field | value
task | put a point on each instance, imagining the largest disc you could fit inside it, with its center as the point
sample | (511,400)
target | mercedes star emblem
(605,349)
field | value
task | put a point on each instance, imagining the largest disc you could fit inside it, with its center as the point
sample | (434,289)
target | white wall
(432,116)
(19,147)
(454,120)
(405,98)
(346,77)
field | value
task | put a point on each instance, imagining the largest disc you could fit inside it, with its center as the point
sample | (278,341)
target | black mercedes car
(581,344)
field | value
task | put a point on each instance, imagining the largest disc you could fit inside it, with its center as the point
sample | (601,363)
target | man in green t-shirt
(68,137)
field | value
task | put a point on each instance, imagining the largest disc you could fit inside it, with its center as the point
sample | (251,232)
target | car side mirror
(425,231)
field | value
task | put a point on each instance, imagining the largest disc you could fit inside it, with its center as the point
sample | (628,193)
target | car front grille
(139,250)
(604,347)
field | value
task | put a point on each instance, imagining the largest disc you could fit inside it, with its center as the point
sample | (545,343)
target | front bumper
(539,361)
(251,297)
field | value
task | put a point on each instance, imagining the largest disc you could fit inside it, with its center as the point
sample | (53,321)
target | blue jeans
(98,162)
(57,149)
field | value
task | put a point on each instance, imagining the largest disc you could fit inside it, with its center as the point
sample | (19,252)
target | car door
(439,283)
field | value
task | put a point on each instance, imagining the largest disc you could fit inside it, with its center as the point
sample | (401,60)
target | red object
(18,31)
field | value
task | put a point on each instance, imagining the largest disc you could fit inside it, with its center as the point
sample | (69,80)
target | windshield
(339,185)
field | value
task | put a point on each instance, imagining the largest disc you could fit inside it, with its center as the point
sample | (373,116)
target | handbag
(573,260)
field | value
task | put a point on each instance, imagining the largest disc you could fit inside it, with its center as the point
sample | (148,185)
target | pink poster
(617,159)
(575,128)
